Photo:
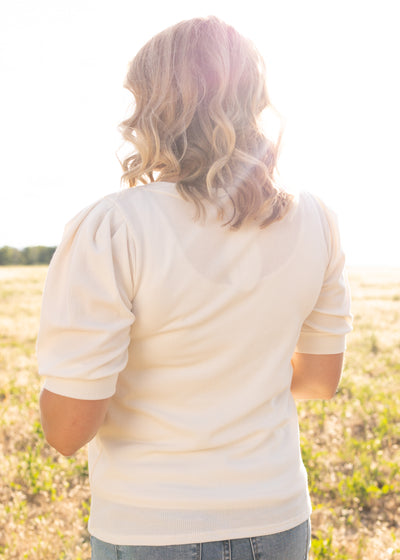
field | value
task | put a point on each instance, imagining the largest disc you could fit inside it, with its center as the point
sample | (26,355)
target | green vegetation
(27,256)
(350,445)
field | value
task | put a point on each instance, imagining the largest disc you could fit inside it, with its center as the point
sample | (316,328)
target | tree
(10,255)
(30,255)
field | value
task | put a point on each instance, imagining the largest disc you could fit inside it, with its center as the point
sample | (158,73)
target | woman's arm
(316,376)
(69,424)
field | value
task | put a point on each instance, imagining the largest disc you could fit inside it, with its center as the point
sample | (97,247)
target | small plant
(323,549)
(374,347)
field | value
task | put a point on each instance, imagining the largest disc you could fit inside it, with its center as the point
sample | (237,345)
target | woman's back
(202,420)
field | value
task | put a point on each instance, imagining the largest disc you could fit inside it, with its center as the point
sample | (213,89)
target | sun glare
(330,72)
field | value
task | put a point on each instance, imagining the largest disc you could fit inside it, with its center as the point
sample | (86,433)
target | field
(351,444)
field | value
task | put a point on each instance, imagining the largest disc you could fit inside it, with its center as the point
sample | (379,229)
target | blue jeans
(293,544)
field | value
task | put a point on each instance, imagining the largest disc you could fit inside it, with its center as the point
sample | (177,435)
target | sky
(332,73)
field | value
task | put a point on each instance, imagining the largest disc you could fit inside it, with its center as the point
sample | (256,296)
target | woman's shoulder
(143,192)
(311,203)
(112,205)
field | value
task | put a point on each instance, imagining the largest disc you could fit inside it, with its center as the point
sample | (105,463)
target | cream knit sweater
(191,328)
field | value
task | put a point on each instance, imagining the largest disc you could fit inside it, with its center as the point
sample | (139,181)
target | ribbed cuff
(321,343)
(82,389)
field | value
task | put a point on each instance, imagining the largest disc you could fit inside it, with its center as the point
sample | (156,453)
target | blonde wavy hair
(200,90)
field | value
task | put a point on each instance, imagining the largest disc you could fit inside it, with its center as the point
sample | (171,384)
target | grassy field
(351,445)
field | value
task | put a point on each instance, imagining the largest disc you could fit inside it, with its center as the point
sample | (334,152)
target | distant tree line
(27,256)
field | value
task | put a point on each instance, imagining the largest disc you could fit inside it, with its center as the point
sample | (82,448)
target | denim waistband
(293,544)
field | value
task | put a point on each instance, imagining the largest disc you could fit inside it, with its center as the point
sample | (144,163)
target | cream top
(190,327)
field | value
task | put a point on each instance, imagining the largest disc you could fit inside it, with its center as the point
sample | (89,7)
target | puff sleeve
(324,330)
(86,315)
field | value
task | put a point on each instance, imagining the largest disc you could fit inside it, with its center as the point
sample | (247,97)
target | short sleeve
(86,315)
(324,331)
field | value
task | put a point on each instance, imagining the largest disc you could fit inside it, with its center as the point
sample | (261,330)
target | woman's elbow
(327,394)
(316,376)
(61,444)
(68,423)
(313,390)
(313,394)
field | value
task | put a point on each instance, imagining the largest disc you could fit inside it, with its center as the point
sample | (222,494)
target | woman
(181,317)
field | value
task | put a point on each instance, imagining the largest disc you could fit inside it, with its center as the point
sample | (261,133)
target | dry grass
(351,445)
(43,496)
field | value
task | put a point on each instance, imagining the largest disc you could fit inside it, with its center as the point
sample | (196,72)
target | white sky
(333,72)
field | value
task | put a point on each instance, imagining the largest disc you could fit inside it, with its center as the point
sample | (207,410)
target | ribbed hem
(200,537)
(126,525)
